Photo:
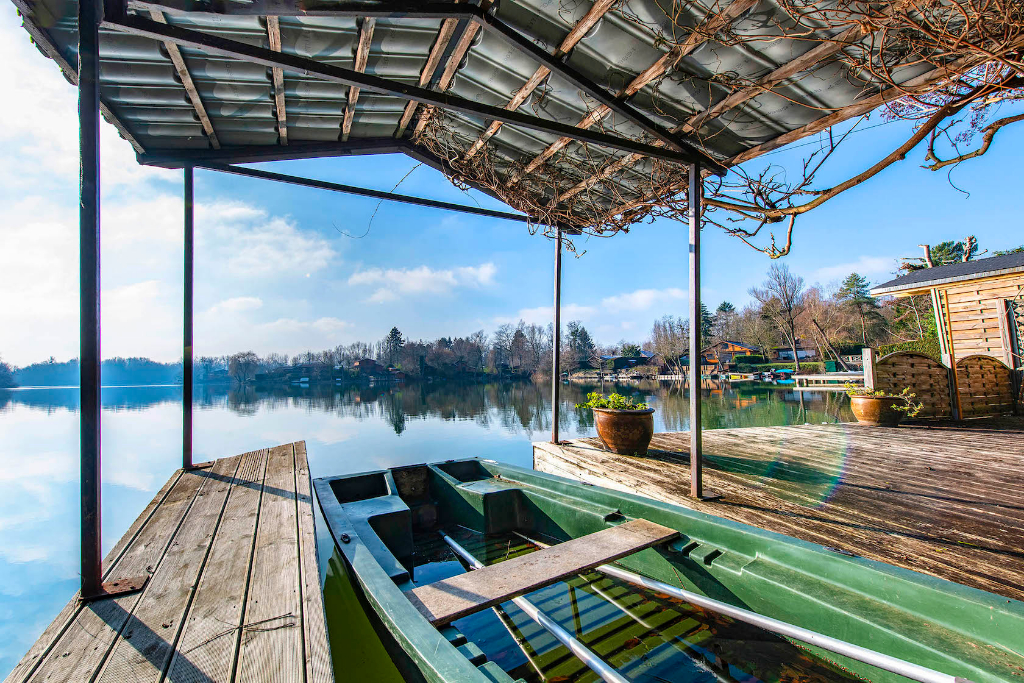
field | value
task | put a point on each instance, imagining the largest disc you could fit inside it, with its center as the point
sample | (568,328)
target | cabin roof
(924,278)
(725,102)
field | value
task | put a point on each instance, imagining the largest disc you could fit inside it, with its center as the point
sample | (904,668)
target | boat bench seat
(445,601)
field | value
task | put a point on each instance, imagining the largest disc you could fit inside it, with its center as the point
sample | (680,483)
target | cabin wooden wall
(975,309)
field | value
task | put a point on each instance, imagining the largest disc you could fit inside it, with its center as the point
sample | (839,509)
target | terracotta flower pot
(627,432)
(876,410)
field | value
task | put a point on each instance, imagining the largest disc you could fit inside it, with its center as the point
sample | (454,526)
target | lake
(345,429)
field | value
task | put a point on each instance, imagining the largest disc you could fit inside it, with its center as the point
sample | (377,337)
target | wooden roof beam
(274,36)
(362,55)
(737,98)
(214,44)
(448,75)
(711,26)
(186,81)
(444,35)
(583,26)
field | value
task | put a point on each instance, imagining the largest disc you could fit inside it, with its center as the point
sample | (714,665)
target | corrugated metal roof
(142,89)
(954,272)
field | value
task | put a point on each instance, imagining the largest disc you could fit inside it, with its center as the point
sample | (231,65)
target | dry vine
(977,46)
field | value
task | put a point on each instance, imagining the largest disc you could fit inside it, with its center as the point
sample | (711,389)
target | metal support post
(694,200)
(89,294)
(556,338)
(186,352)
(93,587)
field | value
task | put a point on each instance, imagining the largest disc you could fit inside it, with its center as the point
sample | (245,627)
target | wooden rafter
(444,35)
(186,81)
(783,73)
(448,75)
(919,84)
(362,55)
(762,85)
(274,36)
(579,31)
(712,25)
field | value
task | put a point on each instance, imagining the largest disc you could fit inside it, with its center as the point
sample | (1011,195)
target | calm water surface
(346,430)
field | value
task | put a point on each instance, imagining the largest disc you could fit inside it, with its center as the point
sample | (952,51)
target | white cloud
(643,299)
(865,265)
(542,315)
(235,305)
(422,280)
(249,243)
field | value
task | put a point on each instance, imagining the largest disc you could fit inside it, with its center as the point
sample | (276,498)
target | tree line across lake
(783,313)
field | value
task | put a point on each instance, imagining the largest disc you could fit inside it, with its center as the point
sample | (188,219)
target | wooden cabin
(724,352)
(979,306)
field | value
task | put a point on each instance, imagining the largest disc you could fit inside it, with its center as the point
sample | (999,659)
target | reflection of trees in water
(516,406)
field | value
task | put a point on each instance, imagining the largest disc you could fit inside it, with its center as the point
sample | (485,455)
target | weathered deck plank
(442,602)
(198,539)
(944,499)
(271,647)
(206,650)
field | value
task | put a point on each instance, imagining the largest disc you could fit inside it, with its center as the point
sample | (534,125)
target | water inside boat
(648,637)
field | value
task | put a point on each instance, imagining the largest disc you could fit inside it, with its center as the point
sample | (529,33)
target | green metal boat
(701,599)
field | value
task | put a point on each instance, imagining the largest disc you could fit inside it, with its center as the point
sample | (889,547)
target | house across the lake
(723,353)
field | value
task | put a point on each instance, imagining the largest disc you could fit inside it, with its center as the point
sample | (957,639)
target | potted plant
(624,426)
(881,408)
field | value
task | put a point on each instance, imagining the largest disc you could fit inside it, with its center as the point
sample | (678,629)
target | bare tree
(782,299)
(242,366)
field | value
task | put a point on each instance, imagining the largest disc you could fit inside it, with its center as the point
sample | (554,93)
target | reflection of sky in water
(344,432)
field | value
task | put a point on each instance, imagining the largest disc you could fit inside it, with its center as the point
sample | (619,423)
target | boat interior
(445,554)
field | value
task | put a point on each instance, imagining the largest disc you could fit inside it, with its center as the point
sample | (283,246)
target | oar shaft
(902,667)
(585,654)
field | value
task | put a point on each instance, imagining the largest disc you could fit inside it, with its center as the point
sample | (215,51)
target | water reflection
(346,430)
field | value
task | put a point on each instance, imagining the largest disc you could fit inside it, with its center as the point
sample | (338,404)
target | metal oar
(902,667)
(585,655)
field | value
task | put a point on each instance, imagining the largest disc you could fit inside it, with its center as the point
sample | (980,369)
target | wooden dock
(233,591)
(943,499)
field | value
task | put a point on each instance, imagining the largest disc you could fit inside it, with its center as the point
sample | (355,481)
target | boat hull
(935,623)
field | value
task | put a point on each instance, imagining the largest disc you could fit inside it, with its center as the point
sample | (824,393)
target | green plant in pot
(624,425)
(881,408)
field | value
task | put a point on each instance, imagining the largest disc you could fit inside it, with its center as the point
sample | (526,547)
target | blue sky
(275,272)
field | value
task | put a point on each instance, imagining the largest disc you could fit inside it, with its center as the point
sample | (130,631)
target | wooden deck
(233,592)
(944,499)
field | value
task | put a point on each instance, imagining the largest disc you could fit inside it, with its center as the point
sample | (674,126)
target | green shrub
(749,359)
(613,401)
(929,346)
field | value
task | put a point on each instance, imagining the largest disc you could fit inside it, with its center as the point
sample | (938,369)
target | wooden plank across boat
(851,617)
(445,601)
